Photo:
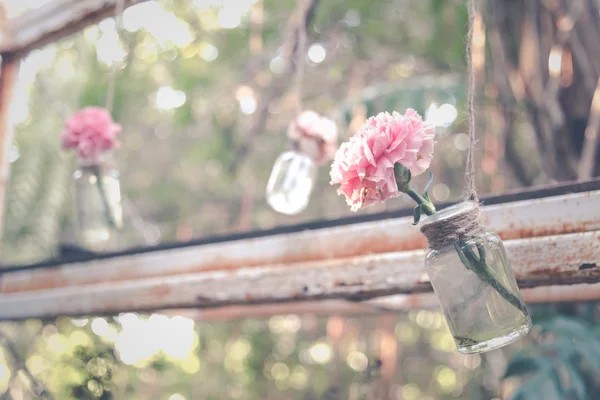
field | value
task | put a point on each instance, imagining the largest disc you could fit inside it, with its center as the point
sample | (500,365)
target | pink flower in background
(91,131)
(315,135)
(364,166)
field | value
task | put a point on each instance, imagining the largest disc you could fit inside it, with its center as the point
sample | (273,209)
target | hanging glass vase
(291,182)
(474,283)
(99,212)
(313,141)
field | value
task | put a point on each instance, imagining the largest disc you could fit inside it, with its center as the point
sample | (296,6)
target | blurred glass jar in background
(313,142)
(291,182)
(98,207)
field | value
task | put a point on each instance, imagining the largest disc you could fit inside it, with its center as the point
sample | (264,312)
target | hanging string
(301,10)
(64,111)
(467,223)
(61,108)
(112,77)
(471,191)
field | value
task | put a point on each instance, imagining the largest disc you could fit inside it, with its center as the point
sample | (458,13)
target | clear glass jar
(480,299)
(98,205)
(291,182)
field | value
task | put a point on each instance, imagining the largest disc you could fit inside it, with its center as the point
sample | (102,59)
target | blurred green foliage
(408,356)
(563,364)
(176,156)
(134,356)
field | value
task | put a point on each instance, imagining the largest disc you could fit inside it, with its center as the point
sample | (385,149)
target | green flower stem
(426,205)
(100,183)
(479,266)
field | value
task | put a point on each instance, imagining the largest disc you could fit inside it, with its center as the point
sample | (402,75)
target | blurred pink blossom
(364,166)
(91,132)
(315,135)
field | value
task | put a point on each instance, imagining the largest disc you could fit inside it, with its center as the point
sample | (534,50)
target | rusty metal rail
(553,240)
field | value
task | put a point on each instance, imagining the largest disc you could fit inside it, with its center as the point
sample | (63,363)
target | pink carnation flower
(315,135)
(364,166)
(91,131)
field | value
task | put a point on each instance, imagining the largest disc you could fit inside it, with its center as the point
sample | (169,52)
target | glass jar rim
(449,212)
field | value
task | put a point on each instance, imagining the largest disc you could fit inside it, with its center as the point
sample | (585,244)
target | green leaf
(576,381)
(427,185)
(589,355)
(567,327)
(573,345)
(545,386)
(521,365)
(417,214)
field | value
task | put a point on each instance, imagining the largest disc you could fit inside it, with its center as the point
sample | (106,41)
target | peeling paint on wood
(587,266)
(536,261)
(532,218)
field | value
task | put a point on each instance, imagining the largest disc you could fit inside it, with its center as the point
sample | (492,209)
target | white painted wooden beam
(54,21)
(563,259)
(550,241)
(576,212)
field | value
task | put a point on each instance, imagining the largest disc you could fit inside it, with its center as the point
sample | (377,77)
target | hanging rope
(301,10)
(466,223)
(112,77)
(61,109)
(471,191)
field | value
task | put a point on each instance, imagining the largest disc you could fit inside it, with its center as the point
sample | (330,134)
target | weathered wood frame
(52,22)
(552,237)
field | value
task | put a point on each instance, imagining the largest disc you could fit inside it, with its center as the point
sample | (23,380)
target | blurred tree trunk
(546,56)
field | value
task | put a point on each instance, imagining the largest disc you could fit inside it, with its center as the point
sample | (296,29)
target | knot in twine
(446,231)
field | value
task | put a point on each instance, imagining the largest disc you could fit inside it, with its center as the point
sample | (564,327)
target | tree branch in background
(278,86)
(558,110)
(513,157)
(587,162)
(509,85)
(552,60)
(534,71)
(36,386)
(245,218)
(502,73)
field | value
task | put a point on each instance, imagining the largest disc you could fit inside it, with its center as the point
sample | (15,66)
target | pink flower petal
(92,131)
(364,165)
(321,131)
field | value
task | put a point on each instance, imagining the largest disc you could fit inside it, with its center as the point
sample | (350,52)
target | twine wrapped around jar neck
(453,224)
